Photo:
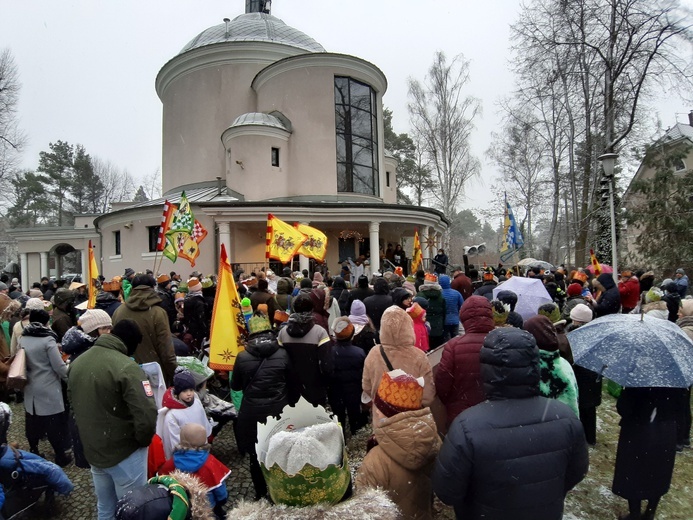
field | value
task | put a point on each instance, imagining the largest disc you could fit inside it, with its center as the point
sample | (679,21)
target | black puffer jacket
(610,300)
(195,317)
(261,372)
(516,454)
(376,304)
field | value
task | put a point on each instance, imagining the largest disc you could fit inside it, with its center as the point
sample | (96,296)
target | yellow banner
(226,339)
(283,240)
(315,244)
(416,255)
(93,276)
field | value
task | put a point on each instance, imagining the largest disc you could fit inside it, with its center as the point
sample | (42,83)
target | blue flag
(512,235)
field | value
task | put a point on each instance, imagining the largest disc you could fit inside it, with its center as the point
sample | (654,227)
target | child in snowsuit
(418,315)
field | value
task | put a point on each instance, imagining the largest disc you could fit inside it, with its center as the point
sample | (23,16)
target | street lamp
(608,161)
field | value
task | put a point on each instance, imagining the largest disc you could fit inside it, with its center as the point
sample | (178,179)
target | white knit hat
(194,285)
(35,304)
(581,313)
(93,319)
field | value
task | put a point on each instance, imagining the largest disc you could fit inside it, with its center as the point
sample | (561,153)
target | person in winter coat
(440,263)
(263,372)
(115,412)
(453,304)
(92,324)
(341,295)
(458,378)
(344,392)
(401,298)
(43,396)
(629,289)
(575,297)
(646,447)
(192,455)
(589,383)
(63,312)
(609,299)
(557,376)
(163,286)
(360,292)
(685,321)
(399,259)
(107,301)
(672,299)
(365,335)
(321,314)
(418,316)
(397,350)
(285,286)
(407,445)
(142,307)
(553,313)
(436,311)
(262,295)
(461,283)
(376,304)
(488,285)
(517,454)
(180,406)
(681,280)
(310,350)
(195,313)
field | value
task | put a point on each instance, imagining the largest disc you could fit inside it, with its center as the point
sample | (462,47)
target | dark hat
(129,333)
(183,380)
(574,289)
(129,271)
(286,272)
(508,297)
(39,316)
(306,283)
(399,294)
(515,319)
(363,281)
(303,303)
(543,331)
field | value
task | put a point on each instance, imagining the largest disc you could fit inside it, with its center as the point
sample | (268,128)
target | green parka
(113,404)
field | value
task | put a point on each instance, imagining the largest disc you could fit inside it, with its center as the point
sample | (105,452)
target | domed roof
(254,27)
(258,119)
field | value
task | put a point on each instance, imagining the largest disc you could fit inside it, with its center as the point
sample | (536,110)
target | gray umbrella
(635,351)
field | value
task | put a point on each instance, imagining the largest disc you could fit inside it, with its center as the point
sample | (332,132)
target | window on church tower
(357,137)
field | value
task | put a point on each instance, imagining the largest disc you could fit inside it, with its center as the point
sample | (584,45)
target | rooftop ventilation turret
(258,6)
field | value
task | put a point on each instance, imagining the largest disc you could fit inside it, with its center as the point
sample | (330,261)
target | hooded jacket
(114,413)
(376,304)
(285,286)
(398,341)
(107,302)
(143,307)
(310,351)
(463,284)
(194,316)
(203,465)
(517,454)
(63,319)
(402,462)
(435,313)
(262,371)
(610,300)
(453,301)
(458,378)
(630,292)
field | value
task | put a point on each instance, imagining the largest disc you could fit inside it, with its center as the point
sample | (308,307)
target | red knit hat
(574,289)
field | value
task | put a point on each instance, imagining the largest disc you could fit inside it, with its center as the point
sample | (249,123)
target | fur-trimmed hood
(197,493)
(368,504)
(397,328)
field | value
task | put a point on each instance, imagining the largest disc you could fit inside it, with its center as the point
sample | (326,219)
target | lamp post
(608,161)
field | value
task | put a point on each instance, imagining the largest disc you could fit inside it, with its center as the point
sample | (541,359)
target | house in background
(258,117)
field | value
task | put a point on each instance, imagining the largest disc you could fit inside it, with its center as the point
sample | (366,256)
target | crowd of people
(498,428)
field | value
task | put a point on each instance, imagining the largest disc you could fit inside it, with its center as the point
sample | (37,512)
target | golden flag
(595,263)
(315,244)
(93,276)
(416,255)
(225,338)
(283,240)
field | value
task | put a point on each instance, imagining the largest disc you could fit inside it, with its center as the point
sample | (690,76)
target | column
(439,240)
(303,261)
(44,265)
(374,237)
(24,266)
(58,266)
(85,266)
(225,237)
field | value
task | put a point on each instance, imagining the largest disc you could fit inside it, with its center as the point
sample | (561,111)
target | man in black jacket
(379,302)
(360,292)
(517,454)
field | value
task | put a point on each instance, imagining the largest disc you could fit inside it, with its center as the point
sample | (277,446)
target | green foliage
(87,188)
(662,211)
(56,172)
(140,196)
(32,205)
(465,225)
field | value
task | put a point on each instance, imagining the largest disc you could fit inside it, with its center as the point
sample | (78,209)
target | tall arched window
(357,137)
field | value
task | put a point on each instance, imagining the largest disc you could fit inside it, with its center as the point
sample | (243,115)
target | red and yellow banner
(315,244)
(93,276)
(595,263)
(225,338)
(283,240)
(416,255)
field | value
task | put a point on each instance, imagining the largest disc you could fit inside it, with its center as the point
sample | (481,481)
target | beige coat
(402,462)
(398,340)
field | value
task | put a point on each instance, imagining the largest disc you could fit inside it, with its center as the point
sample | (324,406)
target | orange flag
(93,276)
(225,338)
(416,255)
(595,263)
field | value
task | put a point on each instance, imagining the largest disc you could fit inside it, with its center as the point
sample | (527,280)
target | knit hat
(543,331)
(94,319)
(35,293)
(686,307)
(3,286)
(515,319)
(129,271)
(258,323)
(552,312)
(500,312)
(194,285)
(416,310)
(574,289)
(399,392)
(34,304)
(192,436)
(581,313)
(343,329)
(509,297)
(680,271)
(163,278)
(180,297)
(183,380)
(421,301)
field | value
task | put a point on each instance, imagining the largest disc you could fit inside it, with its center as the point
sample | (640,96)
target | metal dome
(254,27)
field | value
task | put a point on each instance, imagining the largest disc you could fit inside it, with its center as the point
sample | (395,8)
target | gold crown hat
(399,392)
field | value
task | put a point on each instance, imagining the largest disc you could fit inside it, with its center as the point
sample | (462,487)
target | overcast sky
(88,67)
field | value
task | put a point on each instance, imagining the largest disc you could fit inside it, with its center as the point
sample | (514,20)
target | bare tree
(442,119)
(12,139)
(118,185)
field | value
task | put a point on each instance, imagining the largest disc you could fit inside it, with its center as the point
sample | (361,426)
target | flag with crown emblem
(416,255)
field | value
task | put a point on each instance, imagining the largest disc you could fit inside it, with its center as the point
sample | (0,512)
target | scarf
(37,330)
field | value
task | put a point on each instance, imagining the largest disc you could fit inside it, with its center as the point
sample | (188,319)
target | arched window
(357,137)
(679,164)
